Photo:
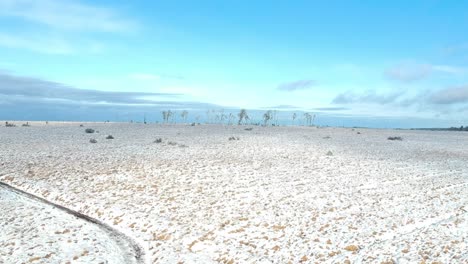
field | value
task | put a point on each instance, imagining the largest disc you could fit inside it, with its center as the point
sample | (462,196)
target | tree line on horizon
(270,117)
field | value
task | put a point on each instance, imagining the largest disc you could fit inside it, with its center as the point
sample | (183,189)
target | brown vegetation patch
(353,248)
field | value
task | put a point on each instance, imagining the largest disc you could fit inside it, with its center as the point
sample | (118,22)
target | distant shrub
(9,124)
(158,140)
(327,137)
(26,125)
(193,124)
(233,138)
(170,143)
(248,129)
(183,146)
(109,137)
(89,130)
(359,133)
(329,153)
(92,140)
(81,125)
(395,138)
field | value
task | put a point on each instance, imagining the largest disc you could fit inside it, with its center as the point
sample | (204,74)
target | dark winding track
(127,244)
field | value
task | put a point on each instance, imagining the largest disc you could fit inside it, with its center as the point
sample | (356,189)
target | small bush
(359,133)
(81,125)
(26,125)
(89,130)
(170,143)
(92,140)
(158,140)
(248,129)
(233,138)
(329,153)
(327,137)
(395,138)
(109,137)
(193,124)
(9,124)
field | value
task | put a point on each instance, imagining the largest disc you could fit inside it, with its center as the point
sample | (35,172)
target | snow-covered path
(35,231)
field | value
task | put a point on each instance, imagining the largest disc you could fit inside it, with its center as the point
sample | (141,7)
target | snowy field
(34,232)
(275,195)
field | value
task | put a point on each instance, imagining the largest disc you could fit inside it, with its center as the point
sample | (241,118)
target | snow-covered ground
(278,194)
(32,231)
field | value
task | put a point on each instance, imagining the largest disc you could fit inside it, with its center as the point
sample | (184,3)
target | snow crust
(276,195)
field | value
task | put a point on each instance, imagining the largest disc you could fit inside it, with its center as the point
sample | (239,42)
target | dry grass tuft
(352,248)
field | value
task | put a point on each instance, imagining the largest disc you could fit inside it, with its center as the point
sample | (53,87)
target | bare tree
(167,115)
(173,117)
(309,118)
(222,116)
(294,116)
(267,116)
(275,117)
(231,119)
(242,116)
(184,115)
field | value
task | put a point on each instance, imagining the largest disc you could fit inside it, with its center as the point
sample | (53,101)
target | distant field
(223,194)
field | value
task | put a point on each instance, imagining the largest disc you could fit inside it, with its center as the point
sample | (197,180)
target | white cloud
(297,85)
(66,14)
(450,95)
(55,44)
(49,45)
(59,26)
(410,72)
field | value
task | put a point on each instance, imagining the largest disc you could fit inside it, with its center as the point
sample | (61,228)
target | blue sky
(394,60)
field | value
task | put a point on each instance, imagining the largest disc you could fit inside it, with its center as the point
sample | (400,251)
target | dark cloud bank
(454,96)
(26,98)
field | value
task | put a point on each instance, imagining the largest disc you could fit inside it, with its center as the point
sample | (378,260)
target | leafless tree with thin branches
(267,116)
(184,115)
(243,117)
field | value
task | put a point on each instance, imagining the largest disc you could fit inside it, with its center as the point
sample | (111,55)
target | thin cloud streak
(331,109)
(282,107)
(411,72)
(47,45)
(408,72)
(297,85)
(67,14)
(370,97)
